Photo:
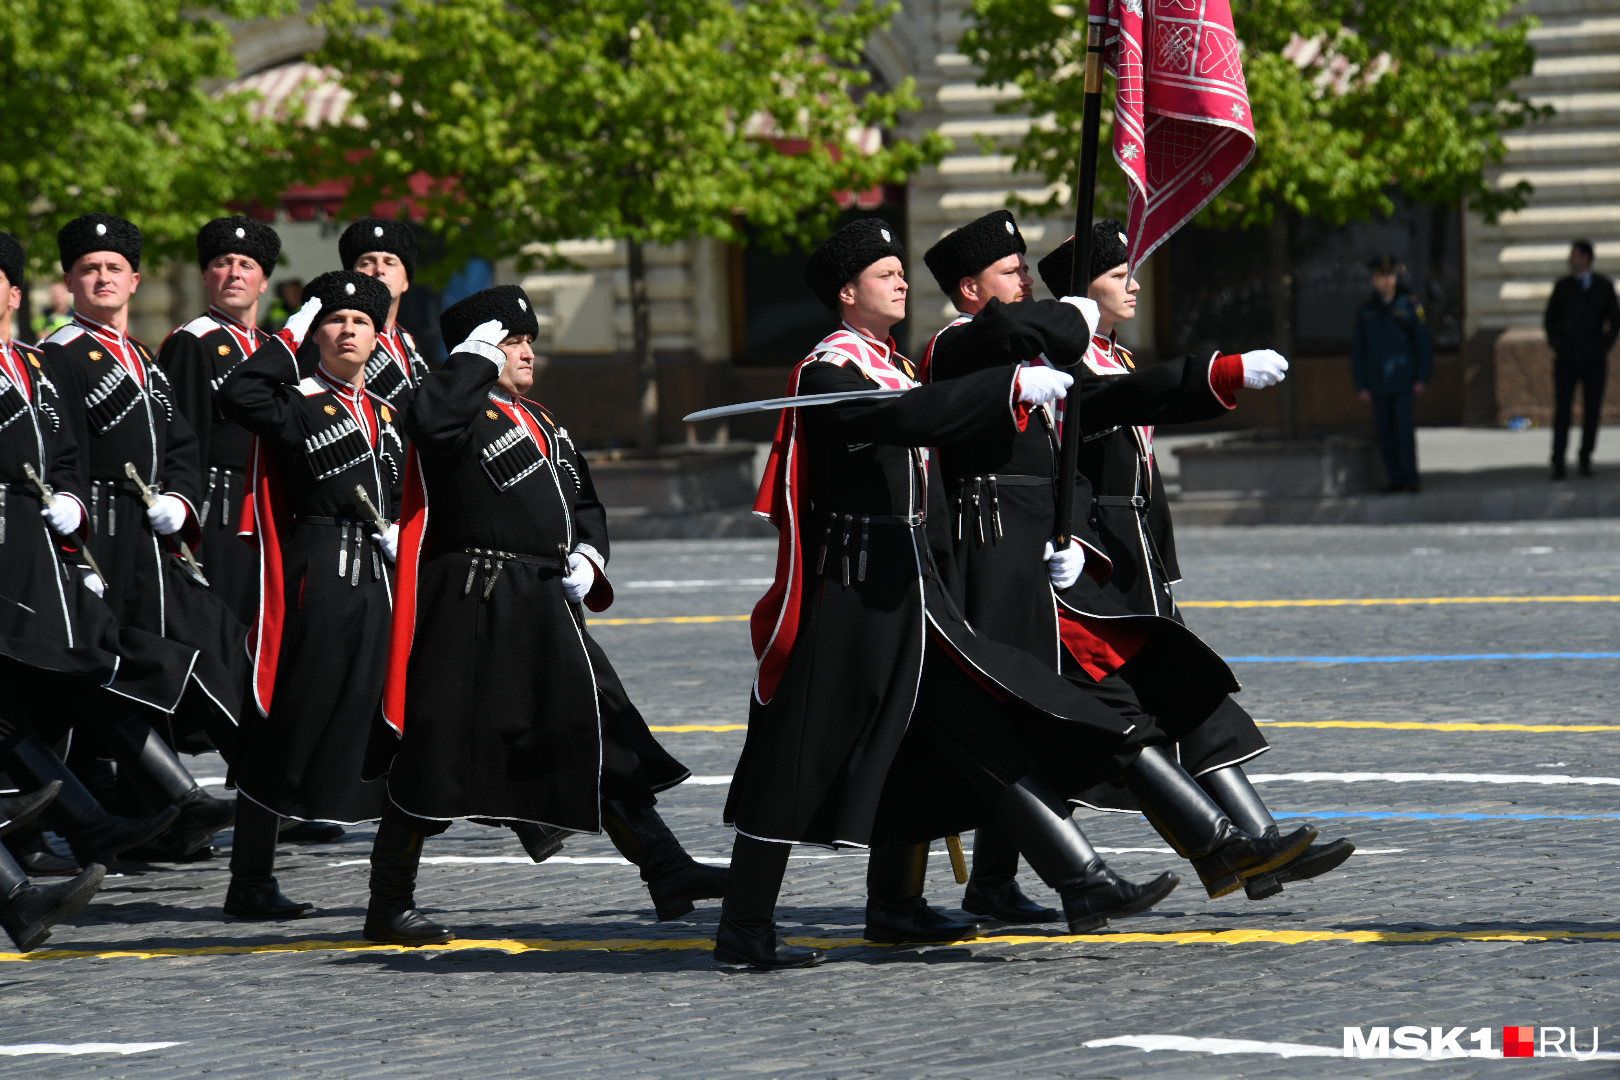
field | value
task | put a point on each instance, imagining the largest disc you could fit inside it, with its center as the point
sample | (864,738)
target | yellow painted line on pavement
(682,728)
(1458,725)
(1386,601)
(516,946)
(1400,601)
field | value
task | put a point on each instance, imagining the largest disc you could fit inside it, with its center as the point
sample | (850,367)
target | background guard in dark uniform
(500,705)
(879,716)
(321,641)
(1392,360)
(236,255)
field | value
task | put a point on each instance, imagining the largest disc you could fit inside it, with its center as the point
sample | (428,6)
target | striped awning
(288,90)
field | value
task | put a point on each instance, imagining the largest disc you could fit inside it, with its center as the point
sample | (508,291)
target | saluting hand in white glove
(1064,567)
(1088,308)
(63,515)
(1262,368)
(1039,385)
(485,340)
(167,514)
(389,541)
(301,320)
(579,579)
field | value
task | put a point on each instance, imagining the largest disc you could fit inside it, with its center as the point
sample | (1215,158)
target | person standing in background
(57,315)
(1392,360)
(1582,321)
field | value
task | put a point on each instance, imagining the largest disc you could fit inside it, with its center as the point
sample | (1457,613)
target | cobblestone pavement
(1480,898)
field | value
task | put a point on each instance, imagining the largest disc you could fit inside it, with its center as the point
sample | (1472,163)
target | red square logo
(1518,1042)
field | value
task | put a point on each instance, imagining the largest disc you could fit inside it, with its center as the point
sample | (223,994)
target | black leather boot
(34,853)
(1230,788)
(94,835)
(1056,848)
(540,841)
(253,892)
(28,911)
(895,909)
(18,810)
(992,889)
(674,879)
(1199,830)
(142,753)
(391,916)
(746,936)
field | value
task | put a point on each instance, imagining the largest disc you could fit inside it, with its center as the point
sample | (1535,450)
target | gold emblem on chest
(224,350)
(95,354)
(492,414)
(329,410)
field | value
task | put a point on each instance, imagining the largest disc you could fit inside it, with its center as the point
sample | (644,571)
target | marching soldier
(321,638)
(503,540)
(386,250)
(138,464)
(879,716)
(236,255)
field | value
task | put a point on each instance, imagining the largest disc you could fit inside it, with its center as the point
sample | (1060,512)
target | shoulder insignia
(492,414)
(1419,309)
(95,354)
(64,334)
(202,324)
(388,417)
(34,360)
(329,410)
(310,387)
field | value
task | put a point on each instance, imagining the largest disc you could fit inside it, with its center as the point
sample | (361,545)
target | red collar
(246,336)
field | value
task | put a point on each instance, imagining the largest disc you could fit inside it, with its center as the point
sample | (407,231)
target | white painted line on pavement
(1434,778)
(695,583)
(22,1049)
(708,780)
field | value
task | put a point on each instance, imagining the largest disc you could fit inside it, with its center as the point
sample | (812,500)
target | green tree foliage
(114,106)
(549,120)
(1350,98)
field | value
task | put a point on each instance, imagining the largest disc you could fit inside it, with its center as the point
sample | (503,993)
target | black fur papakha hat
(378,234)
(843,255)
(12,259)
(973,247)
(1108,250)
(346,290)
(98,232)
(508,303)
(238,236)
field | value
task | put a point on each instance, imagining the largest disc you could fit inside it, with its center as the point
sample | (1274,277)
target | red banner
(1182,128)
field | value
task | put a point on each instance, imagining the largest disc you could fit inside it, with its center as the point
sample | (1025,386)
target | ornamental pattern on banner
(1182,128)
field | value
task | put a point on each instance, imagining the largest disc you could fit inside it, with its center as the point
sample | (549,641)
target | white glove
(1039,385)
(64,516)
(300,321)
(389,541)
(93,582)
(167,514)
(1088,308)
(579,579)
(1064,567)
(1262,368)
(485,341)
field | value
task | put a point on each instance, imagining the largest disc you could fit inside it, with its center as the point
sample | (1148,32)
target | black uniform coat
(499,703)
(321,640)
(1582,324)
(121,409)
(858,600)
(49,621)
(197,357)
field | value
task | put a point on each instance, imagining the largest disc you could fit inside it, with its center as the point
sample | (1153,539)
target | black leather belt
(1137,502)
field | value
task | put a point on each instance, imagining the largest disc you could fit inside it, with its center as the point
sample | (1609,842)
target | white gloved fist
(300,321)
(389,541)
(167,514)
(1064,567)
(1088,308)
(1039,385)
(485,341)
(93,582)
(63,515)
(579,579)
(1263,368)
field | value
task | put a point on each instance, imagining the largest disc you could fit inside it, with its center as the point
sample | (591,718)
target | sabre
(953,845)
(798,402)
(149,497)
(371,508)
(48,497)
(1091,120)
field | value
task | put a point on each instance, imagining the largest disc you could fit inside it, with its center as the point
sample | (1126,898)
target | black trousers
(1591,378)
(1395,424)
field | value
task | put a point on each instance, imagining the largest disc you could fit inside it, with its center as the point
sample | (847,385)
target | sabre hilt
(371,508)
(48,497)
(149,497)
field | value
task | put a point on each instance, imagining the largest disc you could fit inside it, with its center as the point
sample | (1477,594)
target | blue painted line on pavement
(1429,658)
(1414,815)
